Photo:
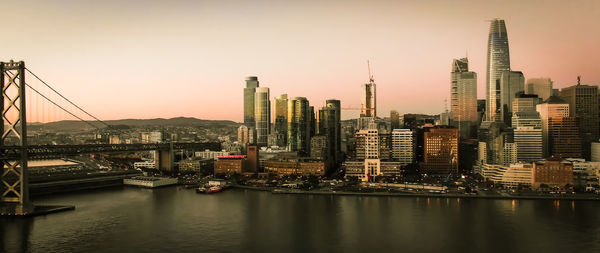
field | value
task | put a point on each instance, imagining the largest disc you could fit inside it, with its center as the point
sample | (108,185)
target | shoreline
(420,195)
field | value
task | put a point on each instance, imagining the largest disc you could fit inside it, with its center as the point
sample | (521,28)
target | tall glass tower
(498,60)
(463,95)
(251,85)
(262,115)
(299,125)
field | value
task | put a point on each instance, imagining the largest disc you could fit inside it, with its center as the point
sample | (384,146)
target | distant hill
(74,125)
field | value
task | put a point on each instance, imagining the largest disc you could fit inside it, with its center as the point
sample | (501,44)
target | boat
(214,189)
(201,189)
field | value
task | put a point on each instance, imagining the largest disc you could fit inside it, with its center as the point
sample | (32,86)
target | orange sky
(148,59)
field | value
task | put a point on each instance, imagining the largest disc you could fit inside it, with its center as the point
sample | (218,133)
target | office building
(463,98)
(299,121)
(280,120)
(564,139)
(262,115)
(511,86)
(583,104)
(395,120)
(251,85)
(403,146)
(553,107)
(542,87)
(441,151)
(498,60)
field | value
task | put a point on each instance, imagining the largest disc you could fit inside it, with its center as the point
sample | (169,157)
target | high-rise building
(493,136)
(539,86)
(251,163)
(498,60)
(553,107)
(463,97)
(564,138)
(403,146)
(583,104)
(262,115)
(367,144)
(441,151)
(251,85)
(369,99)
(337,148)
(385,146)
(511,86)
(318,147)
(243,135)
(280,121)
(525,103)
(527,128)
(299,125)
(394,119)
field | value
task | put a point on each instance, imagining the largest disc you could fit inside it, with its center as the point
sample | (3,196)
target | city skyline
(321,58)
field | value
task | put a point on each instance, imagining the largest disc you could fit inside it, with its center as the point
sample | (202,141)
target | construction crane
(370,75)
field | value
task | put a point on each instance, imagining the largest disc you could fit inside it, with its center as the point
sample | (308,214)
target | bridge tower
(14,175)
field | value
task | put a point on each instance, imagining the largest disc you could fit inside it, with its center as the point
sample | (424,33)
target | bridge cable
(64,98)
(36,91)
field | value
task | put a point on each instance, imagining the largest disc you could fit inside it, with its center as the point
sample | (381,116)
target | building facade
(498,60)
(262,115)
(463,98)
(403,146)
(251,85)
(441,151)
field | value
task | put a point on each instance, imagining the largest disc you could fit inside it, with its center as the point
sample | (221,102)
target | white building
(510,176)
(403,146)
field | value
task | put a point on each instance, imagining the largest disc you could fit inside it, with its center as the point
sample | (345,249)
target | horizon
(299,49)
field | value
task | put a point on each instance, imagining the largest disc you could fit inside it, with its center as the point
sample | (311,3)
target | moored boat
(214,189)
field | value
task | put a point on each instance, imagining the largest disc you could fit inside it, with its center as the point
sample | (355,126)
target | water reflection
(166,219)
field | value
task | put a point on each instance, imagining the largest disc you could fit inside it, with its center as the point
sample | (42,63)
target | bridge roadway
(57,151)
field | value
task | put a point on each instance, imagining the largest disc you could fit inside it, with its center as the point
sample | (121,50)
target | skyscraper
(527,128)
(280,121)
(299,121)
(539,86)
(336,105)
(403,146)
(394,119)
(251,85)
(463,97)
(583,104)
(441,151)
(553,107)
(498,60)
(262,115)
(511,85)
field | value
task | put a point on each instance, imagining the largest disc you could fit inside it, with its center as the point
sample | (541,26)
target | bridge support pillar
(14,188)
(164,160)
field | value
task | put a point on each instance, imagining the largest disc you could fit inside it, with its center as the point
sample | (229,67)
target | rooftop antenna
(579,80)
(370,75)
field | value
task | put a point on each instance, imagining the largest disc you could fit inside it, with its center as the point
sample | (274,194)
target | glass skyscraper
(251,85)
(299,120)
(280,121)
(262,115)
(498,60)
(463,95)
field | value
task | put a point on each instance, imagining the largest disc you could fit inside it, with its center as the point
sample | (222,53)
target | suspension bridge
(46,105)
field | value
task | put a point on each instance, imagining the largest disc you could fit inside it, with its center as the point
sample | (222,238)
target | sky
(163,59)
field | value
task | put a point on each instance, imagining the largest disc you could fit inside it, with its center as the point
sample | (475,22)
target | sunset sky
(149,59)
